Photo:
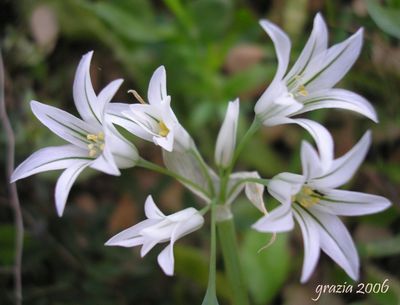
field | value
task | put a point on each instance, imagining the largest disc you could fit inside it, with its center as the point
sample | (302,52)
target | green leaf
(380,248)
(387,18)
(266,271)
(129,25)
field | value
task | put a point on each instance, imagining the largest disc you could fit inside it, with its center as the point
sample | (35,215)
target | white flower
(155,121)
(159,228)
(309,84)
(226,140)
(314,202)
(94,141)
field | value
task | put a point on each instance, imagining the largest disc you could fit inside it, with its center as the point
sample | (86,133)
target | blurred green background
(214,51)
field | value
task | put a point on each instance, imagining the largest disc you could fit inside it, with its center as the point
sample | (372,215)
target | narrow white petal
(329,67)
(119,114)
(322,138)
(130,233)
(50,158)
(226,140)
(311,241)
(348,203)
(107,94)
(255,193)
(148,244)
(106,163)
(279,220)
(84,96)
(151,210)
(337,243)
(317,43)
(64,124)
(343,168)
(167,142)
(125,153)
(282,46)
(280,190)
(64,184)
(158,86)
(310,162)
(128,243)
(166,260)
(341,99)
(283,186)
(277,88)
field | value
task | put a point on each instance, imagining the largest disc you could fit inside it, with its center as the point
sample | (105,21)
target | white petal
(348,203)
(277,87)
(64,184)
(106,163)
(310,162)
(118,113)
(166,260)
(107,94)
(282,46)
(50,158)
(158,86)
(341,99)
(64,124)
(316,44)
(128,243)
(130,233)
(255,193)
(291,186)
(148,244)
(125,153)
(167,142)
(322,138)
(226,140)
(343,168)
(337,243)
(279,220)
(311,241)
(329,67)
(151,210)
(84,96)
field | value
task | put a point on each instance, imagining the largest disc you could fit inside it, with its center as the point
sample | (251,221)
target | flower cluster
(310,198)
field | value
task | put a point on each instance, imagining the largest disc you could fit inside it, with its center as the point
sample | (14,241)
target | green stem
(162,170)
(211,295)
(227,239)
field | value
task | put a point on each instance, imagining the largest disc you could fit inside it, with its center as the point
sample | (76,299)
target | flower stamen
(306,197)
(137,96)
(164,131)
(96,144)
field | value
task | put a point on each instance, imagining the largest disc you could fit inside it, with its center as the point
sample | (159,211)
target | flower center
(307,197)
(96,144)
(297,87)
(164,131)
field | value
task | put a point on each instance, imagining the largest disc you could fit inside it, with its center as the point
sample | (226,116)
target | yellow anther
(137,96)
(91,137)
(92,153)
(306,197)
(100,136)
(302,90)
(96,144)
(164,131)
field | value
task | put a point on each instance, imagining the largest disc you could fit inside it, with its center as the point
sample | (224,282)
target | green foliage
(386,17)
(265,271)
